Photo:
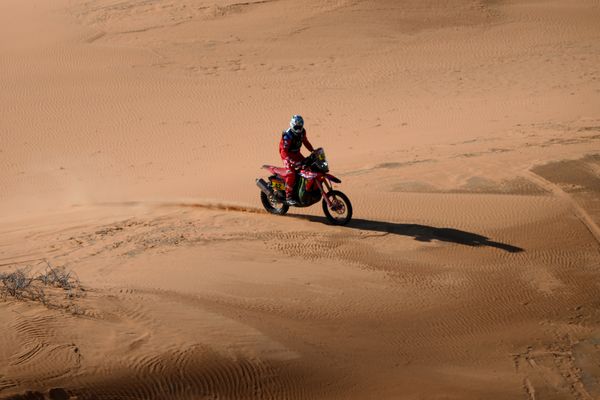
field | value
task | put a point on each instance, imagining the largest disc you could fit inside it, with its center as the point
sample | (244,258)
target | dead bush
(49,287)
(60,277)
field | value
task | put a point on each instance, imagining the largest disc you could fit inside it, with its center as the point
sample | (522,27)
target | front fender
(333,178)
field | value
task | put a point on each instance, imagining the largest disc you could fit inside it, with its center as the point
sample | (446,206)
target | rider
(289,149)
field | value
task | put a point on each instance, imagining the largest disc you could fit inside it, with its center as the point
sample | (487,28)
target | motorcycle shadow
(422,233)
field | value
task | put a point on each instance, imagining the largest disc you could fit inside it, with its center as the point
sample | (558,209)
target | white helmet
(297,123)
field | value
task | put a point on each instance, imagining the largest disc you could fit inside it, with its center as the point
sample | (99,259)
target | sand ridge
(175,265)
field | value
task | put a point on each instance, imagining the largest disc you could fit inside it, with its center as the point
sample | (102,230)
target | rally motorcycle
(313,183)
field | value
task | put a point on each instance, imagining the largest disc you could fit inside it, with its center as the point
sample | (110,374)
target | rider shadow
(422,233)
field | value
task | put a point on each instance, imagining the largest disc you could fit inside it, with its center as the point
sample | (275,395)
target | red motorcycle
(312,185)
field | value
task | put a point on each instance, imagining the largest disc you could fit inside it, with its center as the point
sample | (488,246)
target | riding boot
(289,199)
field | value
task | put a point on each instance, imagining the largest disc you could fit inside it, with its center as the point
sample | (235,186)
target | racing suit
(289,149)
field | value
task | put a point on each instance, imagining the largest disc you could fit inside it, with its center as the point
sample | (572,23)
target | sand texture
(466,134)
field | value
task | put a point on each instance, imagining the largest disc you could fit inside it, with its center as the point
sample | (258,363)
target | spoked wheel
(340,212)
(273,205)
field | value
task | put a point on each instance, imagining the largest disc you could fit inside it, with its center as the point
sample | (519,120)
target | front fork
(324,193)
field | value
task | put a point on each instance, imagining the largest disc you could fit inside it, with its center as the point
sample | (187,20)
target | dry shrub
(60,277)
(47,287)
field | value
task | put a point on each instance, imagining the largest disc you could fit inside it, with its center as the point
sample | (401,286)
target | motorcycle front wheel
(340,212)
(272,205)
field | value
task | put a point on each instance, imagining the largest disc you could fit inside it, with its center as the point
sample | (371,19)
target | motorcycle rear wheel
(341,211)
(274,206)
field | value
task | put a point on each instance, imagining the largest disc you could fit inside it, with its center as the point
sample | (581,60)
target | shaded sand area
(466,133)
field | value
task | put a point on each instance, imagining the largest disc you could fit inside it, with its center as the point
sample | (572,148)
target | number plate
(278,185)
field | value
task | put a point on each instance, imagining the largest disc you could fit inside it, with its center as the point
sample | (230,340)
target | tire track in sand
(579,212)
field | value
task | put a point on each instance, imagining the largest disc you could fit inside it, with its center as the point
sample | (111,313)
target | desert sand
(466,134)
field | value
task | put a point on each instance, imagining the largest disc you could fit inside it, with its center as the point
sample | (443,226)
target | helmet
(297,123)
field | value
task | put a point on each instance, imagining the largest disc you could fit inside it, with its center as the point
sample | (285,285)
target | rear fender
(270,168)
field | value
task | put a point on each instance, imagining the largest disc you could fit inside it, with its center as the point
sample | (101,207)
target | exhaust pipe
(264,187)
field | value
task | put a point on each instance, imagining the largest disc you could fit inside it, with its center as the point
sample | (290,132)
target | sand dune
(466,133)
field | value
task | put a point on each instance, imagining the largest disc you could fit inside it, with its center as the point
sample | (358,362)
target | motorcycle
(314,183)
